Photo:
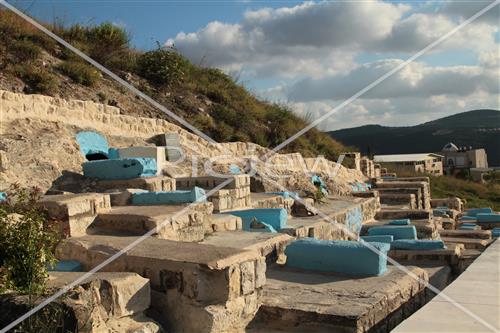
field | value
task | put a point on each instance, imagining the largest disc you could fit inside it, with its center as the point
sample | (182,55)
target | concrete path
(477,290)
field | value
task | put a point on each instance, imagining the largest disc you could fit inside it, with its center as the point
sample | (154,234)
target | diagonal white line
(381,79)
(108,72)
(130,87)
(115,256)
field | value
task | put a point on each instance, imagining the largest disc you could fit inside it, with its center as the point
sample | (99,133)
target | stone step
(469,243)
(195,287)
(417,214)
(189,226)
(481,234)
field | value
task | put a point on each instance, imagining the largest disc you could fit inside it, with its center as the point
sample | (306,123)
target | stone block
(247,277)
(152,184)
(120,294)
(75,212)
(260,273)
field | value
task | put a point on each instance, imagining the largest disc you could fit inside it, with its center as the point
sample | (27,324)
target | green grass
(475,194)
(79,72)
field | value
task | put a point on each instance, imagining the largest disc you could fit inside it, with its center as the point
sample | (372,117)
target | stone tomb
(303,301)
(426,229)
(195,287)
(235,195)
(189,226)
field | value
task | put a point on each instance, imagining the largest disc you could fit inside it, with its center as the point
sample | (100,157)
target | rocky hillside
(31,62)
(478,128)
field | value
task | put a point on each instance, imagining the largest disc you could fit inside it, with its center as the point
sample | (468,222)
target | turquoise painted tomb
(196,194)
(399,222)
(417,244)
(126,168)
(345,257)
(398,232)
(379,238)
(474,211)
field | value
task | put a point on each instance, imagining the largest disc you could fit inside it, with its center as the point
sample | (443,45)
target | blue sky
(148,21)
(314,55)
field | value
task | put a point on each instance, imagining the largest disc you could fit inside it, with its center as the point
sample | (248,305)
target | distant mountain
(477,128)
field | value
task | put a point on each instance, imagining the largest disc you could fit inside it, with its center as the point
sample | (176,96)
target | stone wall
(59,120)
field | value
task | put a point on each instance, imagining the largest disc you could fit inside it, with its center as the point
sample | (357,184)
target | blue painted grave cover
(196,194)
(92,143)
(379,238)
(417,244)
(345,257)
(489,218)
(475,211)
(126,168)
(399,232)
(399,222)
(67,266)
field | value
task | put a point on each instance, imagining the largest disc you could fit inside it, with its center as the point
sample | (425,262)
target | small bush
(79,72)
(163,67)
(26,242)
(25,50)
(37,80)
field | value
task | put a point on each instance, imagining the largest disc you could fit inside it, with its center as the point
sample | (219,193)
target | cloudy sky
(314,55)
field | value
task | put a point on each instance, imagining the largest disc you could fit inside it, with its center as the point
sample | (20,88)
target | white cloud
(313,50)
(465,9)
(415,80)
(324,38)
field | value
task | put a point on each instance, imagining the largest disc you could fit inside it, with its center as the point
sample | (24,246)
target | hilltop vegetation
(478,128)
(215,103)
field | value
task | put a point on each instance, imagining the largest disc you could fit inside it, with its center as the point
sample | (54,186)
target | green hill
(214,102)
(477,128)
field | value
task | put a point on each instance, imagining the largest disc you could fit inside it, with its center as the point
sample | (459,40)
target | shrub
(163,67)
(38,80)
(26,242)
(25,50)
(79,72)
(106,40)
